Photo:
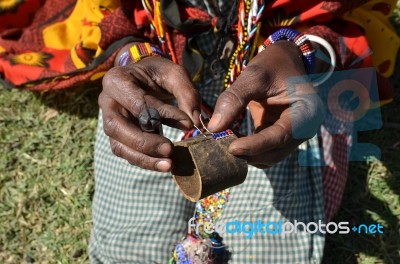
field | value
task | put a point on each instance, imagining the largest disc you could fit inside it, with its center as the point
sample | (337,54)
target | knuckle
(118,78)
(110,126)
(108,79)
(104,101)
(170,113)
(148,66)
(165,111)
(116,148)
(100,100)
(233,96)
(142,161)
(139,144)
(137,104)
(286,136)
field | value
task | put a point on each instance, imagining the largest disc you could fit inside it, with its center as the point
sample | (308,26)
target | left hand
(276,110)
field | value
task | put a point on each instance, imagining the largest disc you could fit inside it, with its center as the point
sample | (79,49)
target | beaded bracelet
(328,47)
(299,39)
(138,52)
(222,134)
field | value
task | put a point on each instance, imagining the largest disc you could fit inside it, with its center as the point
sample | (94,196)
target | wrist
(302,42)
(122,50)
(135,52)
(285,56)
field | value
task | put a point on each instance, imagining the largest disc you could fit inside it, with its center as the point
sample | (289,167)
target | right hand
(126,89)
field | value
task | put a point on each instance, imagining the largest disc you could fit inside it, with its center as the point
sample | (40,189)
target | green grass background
(46,181)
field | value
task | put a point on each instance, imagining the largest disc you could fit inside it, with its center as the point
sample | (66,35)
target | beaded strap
(222,134)
(138,52)
(300,40)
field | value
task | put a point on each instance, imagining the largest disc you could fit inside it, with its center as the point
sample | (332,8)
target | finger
(295,125)
(123,130)
(119,85)
(170,115)
(275,136)
(232,102)
(140,159)
(272,157)
(175,79)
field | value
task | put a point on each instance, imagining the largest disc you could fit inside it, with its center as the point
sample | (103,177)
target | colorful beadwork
(199,246)
(153,9)
(248,29)
(209,209)
(222,134)
(192,250)
(300,40)
(138,52)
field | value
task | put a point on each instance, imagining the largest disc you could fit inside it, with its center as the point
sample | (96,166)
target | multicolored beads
(138,52)
(222,134)
(300,40)
(201,247)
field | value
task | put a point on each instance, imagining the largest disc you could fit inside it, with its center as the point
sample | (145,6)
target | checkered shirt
(139,215)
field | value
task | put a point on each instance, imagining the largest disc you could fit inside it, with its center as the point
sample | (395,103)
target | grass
(372,194)
(46,176)
(46,182)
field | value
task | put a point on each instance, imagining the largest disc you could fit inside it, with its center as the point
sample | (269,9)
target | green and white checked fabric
(139,215)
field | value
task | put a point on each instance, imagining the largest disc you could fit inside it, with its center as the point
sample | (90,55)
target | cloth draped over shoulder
(57,44)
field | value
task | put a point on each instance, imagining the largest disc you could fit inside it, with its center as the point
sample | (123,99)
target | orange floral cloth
(56,44)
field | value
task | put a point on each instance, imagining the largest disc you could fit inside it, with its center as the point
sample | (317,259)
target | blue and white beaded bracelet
(302,41)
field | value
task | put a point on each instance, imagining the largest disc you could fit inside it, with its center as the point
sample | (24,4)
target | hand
(275,110)
(127,90)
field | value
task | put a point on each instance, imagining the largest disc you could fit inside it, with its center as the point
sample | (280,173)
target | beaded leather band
(300,40)
(138,52)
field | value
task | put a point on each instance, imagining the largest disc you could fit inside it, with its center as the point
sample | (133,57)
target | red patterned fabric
(335,172)
(57,68)
(15,15)
(28,60)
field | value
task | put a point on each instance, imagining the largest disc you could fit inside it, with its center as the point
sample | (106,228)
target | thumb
(175,79)
(232,102)
(249,85)
(229,106)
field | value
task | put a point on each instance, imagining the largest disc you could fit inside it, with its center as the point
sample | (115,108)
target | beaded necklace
(159,27)
(199,246)
(248,31)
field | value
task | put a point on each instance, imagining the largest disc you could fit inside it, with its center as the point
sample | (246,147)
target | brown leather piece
(203,166)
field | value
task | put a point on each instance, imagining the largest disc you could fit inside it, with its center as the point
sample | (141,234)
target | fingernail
(163,165)
(164,149)
(236,151)
(196,117)
(215,119)
(196,113)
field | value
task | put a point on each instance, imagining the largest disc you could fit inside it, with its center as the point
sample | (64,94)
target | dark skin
(262,87)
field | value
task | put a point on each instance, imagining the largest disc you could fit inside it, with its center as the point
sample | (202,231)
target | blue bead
(196,133)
